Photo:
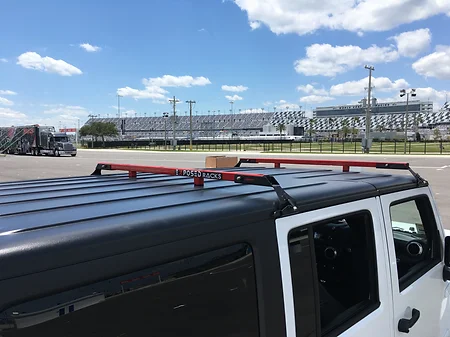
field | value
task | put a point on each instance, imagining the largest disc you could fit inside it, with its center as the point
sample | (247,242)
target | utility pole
(190,123)
(165,116)
(232,117)
(118,105)
(78,131)
(413,94)
(368,112)
(174,102)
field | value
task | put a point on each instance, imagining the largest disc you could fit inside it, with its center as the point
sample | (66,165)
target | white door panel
(379,322)
(427,293)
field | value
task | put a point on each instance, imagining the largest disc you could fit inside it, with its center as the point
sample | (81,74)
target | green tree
(99,129)
(437,134)
(345,128)
(330,121)
(280,128)
(312,124)
(380,128)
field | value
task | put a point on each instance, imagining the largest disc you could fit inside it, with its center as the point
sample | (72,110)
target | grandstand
(244,124)
(251,124)
(385,116)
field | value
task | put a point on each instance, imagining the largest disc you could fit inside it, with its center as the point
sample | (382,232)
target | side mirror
(446,273)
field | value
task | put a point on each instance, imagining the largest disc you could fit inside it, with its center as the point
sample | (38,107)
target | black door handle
(405,324)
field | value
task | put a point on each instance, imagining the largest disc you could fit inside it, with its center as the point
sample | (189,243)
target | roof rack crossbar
(199,176)
(345,164)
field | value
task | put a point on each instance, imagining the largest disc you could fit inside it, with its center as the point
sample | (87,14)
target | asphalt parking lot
(436,169)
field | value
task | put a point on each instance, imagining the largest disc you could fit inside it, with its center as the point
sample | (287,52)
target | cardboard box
(220,161)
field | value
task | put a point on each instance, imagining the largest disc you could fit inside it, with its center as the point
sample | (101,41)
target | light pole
(165,115)
(118,104)
(368,112)
(190,123)
(174,102)
(232,116)
(403,92)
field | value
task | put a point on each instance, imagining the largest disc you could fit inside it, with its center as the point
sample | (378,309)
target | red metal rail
(346,164)
(199,175)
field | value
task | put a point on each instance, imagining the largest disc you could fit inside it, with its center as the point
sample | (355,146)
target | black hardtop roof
(44,218)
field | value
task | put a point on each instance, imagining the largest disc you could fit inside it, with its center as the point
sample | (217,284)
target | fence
(379,147)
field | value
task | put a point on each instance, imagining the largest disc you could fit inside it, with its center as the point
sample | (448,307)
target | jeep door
(420,296)
(334,271)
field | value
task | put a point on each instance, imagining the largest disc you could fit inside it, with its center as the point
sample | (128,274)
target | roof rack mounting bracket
(199,176)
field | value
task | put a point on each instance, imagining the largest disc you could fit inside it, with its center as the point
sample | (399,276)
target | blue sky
(269,53)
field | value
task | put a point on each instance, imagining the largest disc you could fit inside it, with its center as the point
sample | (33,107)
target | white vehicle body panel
(379,322)
(429,294)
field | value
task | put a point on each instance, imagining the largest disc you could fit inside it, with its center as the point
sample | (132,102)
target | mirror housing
(446,274)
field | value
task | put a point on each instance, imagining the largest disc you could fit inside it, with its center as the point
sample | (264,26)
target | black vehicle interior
(412,240)
(344,258)
(410,249)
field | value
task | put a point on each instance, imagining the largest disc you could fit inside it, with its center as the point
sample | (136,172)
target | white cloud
(32,60)
(7,92)
(11,114)
(152,92)
(3,60)
(234,88)
(310,89)
(435,65)
(254,24)
(267,103)
(4,101)
(412,43)
(129,113)
(283,105)
(234,98)
(436,96)
(380,84)
(67,111)
(311,99)
(90,48)
(253,111)
(328,60)
(160,101)
(154,87)
(176,81)
(306,16)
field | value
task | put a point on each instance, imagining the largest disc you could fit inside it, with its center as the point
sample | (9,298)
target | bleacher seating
(251,124)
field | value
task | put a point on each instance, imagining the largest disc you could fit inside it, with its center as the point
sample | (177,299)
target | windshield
(61,139)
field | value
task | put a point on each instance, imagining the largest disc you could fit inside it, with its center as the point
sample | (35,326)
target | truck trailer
(35,140)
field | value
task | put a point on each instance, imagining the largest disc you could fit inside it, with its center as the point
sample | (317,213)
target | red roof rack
(199,176)
(346,164)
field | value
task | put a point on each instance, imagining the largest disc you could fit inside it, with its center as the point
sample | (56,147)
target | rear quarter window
(211,294)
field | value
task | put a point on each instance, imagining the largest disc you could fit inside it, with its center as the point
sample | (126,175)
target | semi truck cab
(56,144)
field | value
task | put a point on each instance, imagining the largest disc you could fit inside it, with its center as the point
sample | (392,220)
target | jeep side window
(416,239)
(208,295)
(333,268)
